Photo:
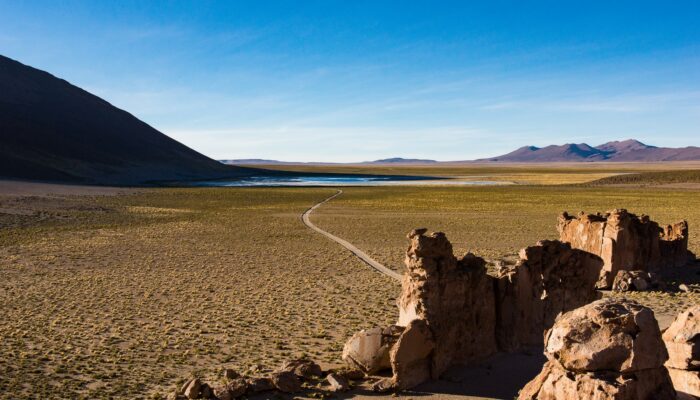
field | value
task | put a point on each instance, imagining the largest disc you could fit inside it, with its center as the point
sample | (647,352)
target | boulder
(302,368)
(286,381)
(206,391)
(259,384)
(193,389)
(625,241)
(368,350)
(685,382)
(231,374)
(353,374)
(237,387)
(682,339)
(626,281)
(411,360)
(222,393)
(338,382)
(605,350)
(607,335)
(555,383)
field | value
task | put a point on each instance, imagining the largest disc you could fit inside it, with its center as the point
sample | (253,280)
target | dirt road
(359,253)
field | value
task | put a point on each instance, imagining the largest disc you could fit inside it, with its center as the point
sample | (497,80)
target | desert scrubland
(118,294)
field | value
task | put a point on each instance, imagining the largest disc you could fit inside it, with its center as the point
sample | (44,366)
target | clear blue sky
(356,80)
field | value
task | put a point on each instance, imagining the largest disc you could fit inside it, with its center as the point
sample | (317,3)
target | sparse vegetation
(122,296)
(651,178)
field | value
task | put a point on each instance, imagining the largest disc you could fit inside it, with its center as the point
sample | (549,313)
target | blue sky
(361,80)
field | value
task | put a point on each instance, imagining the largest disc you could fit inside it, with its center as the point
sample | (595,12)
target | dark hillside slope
(52,130)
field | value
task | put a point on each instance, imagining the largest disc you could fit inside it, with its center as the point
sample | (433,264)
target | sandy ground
(20,188)
(99,301)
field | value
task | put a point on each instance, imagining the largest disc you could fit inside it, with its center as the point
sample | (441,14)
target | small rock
(684,288)
(338,382)
(286,381)
(257,385)
(193,390)
(184,387)
(302,368)
(384,385)
(206,392)
(175,396)
(237,387)
(222,393)
(231,374)
(354,374)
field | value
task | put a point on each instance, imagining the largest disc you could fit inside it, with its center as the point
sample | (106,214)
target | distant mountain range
(617,151)
(628,150)
(54,131)
(399,160)
(260,161)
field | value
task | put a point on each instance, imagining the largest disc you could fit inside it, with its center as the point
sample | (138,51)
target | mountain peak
(400,160)
(55,131)
(624,145)
(630,150)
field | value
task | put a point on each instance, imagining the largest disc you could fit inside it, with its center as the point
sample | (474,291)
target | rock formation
(625,241)
(288,378)
(682,341)
(455,313)
(639,281)
(550,278)
(605,350)
(368,350)
(455,297)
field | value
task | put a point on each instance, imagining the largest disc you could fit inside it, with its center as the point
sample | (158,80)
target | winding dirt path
(359,253)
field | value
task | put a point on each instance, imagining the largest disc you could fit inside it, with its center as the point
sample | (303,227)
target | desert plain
(126,292)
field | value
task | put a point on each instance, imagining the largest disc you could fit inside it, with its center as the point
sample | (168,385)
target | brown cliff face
(625,241)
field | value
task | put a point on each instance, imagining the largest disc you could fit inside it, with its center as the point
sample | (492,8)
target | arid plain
(117,293)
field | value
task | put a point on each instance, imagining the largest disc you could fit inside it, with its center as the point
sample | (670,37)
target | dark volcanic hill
(628,150)
(52,130)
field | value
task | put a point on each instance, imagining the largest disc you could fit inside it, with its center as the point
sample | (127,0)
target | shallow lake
(341,181)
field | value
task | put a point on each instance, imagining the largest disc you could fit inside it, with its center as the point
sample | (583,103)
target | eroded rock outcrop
(609,349)
(455,297)
(682,341)
(550,278)
(456,313)
(625,241)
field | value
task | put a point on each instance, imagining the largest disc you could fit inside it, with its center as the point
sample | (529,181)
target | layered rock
(608,349)
(625,241)
(682,339)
